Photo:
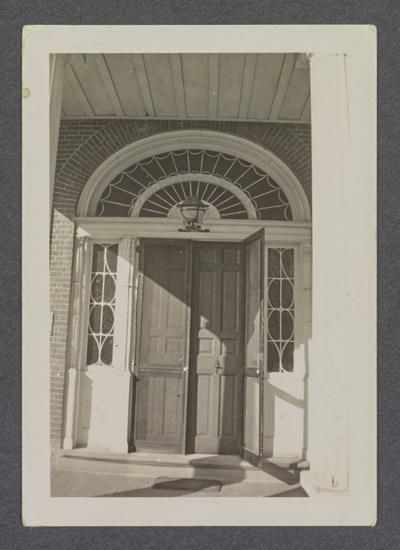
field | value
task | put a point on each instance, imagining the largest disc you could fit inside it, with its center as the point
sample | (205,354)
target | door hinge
(139,277)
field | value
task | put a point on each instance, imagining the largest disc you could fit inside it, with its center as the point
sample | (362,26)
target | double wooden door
(195,352)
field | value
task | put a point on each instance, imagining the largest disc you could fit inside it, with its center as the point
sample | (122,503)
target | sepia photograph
(201,337)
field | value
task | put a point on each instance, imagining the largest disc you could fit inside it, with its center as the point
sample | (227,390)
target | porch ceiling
(238,87)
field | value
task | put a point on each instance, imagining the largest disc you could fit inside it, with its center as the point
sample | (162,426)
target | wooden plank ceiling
(253,87)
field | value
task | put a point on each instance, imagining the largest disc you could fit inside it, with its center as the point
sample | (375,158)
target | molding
(195,139)
(220,230)
(194,118)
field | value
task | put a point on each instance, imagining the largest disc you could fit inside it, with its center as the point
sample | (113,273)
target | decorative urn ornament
(192,210)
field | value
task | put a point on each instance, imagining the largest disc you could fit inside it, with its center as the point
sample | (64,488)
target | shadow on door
(190,347)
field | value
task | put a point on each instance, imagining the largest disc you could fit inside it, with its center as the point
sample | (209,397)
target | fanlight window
(229,185)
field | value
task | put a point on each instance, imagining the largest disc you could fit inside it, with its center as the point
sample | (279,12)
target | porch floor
(84,473)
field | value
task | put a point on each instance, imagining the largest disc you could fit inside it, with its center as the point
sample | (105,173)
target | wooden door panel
(217,345)
(207,283)
(205,404)
(162,346)
(253,350)
(251,413)
(228,406)
(229,305)
(160,407)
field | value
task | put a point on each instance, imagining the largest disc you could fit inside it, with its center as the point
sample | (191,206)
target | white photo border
(358,44)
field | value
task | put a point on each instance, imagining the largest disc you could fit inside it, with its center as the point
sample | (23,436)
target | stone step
(217,467)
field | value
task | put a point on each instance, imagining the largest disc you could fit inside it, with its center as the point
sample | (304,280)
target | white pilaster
(75,338)
(306,331)
(123,304)
(57,70)
(124,312)
(329,365)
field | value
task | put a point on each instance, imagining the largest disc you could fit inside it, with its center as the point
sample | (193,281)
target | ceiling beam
(78,90)
(305,113)
(247,84)
(177,79)
(302,61)
(107,80)
(213,84)
(284,78)
(141,73)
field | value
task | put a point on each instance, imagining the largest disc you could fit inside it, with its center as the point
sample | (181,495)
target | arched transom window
(232,187)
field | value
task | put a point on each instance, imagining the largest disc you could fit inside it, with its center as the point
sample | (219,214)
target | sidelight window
(280,309)
(102,305)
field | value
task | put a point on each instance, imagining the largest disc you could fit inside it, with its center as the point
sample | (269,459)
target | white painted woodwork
(284,407)
(100,397)
(123,303)
(75,89)
(264,87)
(103,410)
(195,139)
(109,86)
(253,360)
(57,71)
(279,232)
(144,86)
(77,334)
(102,413)
(330,357)
(247,85)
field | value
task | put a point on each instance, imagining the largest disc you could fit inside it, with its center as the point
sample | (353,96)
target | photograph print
(201,296)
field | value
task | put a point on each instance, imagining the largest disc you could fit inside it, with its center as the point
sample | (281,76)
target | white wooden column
(342,381)
(306,331)
(74,342)
(57,71)
(124,313)
(329,365)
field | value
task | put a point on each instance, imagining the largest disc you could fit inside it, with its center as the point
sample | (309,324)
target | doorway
(198,327)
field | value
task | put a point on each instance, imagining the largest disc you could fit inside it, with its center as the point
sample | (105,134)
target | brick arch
(94,143)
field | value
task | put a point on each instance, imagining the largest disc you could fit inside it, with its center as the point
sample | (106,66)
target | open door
(162,348)
(253,371)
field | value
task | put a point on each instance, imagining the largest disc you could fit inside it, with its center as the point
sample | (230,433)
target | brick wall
(83,146)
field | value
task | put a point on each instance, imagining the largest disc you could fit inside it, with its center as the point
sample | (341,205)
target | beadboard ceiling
(237,87)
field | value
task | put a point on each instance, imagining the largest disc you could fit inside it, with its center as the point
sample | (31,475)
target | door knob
(218,365)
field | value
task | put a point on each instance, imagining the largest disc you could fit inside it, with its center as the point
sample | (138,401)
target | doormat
(188,484)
